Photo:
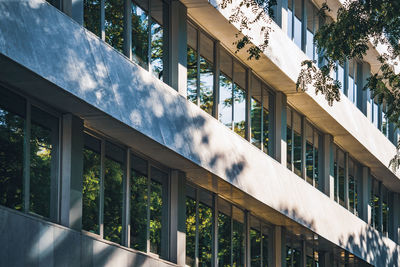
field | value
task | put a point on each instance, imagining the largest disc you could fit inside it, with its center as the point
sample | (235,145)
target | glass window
(206,73)
(293,253)
(192,64)
(205,228)
(113,178)
(239,100)
(225,90)
(265,119)
(114,23)
(91,184)
(290,19)
(310,30)
(297,144)
(340,77)
(224,233)
(255,242)
(352,186)
(12,134)
(351,92)
(341,177)
(191,221)
(256,113)
(140,33)
(289,138)
(385,210)
(309,153)
(237,237)
(297,25)
(138,203)
(157,38)
(91,16)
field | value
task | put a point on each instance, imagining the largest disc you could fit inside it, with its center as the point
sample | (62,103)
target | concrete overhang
(280,66)
(111,93)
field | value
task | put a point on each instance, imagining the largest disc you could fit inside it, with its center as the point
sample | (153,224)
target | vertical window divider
(313,156)
(303,147)
(292,134)
(346,180)
(126,201)
(101,197)
(127,45)
(247,252)
(262,119)
(261,244)
(303,26)
(233,96)
(27,158)
(231,234)
(148,208)
(198,67)
(248,104)
(216,79)
(196,249)
(293,11)
(214,253)
(102,20)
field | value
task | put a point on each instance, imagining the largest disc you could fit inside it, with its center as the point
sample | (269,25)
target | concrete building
(131,134)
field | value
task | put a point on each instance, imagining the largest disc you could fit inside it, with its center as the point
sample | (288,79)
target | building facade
(133,133)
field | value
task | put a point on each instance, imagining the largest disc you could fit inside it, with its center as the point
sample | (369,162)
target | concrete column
(364,192)
(278,246)
(280,128)
(72,172)
(394,207)
(177,60)
(327,174)
(178,218)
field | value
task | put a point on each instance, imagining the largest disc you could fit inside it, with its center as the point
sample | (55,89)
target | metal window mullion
(102,20)
(198,67)
(292,134)
(150,22)
(127,46)
(215,231)
(293,16)
(27,158)
(148,209)
(101,197)
(313,155)
(196,246)
(262,119)
(303,147)
(126,202)
(233,96)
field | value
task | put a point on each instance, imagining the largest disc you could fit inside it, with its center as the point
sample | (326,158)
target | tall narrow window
(239,100)
(91,16)
(311,150)
(289,138)
(191,226)
(297,23)
(113,179)
(192,59)
(225,90)
(259,245)
(114,23)
(140,33)
(352,187)
(385,211)
(12,134)
(290,19)
(237,237)
(91,184)
(297,144)
(224,233)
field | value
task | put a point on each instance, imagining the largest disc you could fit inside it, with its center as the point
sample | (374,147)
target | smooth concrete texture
(52,58)
(30,241)
(280,66)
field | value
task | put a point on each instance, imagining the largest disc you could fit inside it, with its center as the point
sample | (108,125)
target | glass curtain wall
(259,243)
(375,204)
(339,176)
(293,252)
(200,69)
(313,139)
(313,21)
(104,177)
(232,94)
(353,186)
(28,156)
(294,141)
(148,34)
(260,102)
(295,16)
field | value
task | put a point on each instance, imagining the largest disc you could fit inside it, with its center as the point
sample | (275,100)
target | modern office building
(132,133)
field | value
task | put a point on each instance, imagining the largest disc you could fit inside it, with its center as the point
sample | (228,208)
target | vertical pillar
(327,176)
(127,46)
(394,207)
(278,246)
(364,191)
(177,59)
(72,172)
(178,218)
(280,128)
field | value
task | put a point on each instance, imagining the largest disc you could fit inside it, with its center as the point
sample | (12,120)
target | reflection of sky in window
(350,92)
(225,103)
(290,29)
(340,76)
(239,105)
(206,85)
(297,31)
(310,47)
(156,49)
(139,36)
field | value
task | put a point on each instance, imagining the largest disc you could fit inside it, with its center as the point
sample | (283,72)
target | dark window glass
(91,16)
(205,234)
(140,34)
(192,75)
(139,204)
(190,226)
(238,237)
(12,132)
(351,186)
(114,24)
(224,234)
(91,185)
(289,140)
(341,177)
(297,29)
(255,242)
(114,173)
(206,73)
(44,136)
(265,246)
(157,38)
(255,114)
(309,153)
(290,19)
(335,173)
(297,144)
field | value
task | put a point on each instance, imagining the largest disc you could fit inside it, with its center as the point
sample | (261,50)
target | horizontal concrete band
(87,77)
(28,241)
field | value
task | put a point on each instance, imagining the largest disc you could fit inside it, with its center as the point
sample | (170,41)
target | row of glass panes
(227,86)
(107,170)
(148,38)
(29,153)
(302,137)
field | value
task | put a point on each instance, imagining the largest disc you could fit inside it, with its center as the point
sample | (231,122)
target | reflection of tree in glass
(206,85)
(140,36)
(91,16)
(255,117)
(11,159)
(113,200)
(114,24)
(90,191)
(156,204)
(190,231)
(156,54)
(238,244)
(139,211)
(205,235)
(192,75)
(224,240)
(40,178)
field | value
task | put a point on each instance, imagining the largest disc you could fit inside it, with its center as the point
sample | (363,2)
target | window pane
(289,141)
(225,102)
(290,19)
(205,234)
(206,85)
(309,153)
(341,177)
(158,206)
(114,24)
(226,63)
(255,114)
(12,131)
(192,75)
(316,158)
(255,242)
(297,144)
(351,185)
(44,135)
(91,16)
(140,36)
(340,76)
(335,171)
(266,125)
(265,246)
(297,23)
(224,234)
(91,185)
(190,230)
(239,108)
(157,38)
(113,178)
(139,204)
